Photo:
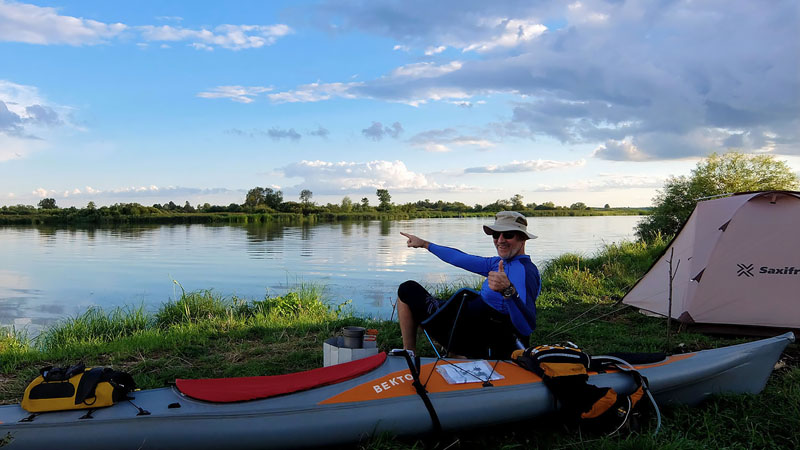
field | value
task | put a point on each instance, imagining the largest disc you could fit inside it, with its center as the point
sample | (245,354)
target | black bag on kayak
(564,370)
(76,387)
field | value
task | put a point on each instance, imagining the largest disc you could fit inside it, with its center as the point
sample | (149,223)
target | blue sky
(565,101)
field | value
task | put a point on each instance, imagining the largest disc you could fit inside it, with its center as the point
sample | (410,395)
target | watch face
(508,292)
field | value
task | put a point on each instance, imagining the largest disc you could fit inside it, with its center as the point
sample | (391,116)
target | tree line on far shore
(261,200)
(272,200)
(716,175)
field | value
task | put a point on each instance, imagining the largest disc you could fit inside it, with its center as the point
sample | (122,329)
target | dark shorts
(464,324)
(418,299)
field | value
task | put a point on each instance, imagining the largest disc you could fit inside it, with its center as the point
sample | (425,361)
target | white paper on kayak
(468,372)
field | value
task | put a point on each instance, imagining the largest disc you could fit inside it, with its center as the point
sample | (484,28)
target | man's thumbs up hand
(498,281)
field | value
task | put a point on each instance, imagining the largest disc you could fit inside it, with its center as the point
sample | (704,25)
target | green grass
(203,334)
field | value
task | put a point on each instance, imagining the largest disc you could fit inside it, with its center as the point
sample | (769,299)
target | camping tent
(738,262)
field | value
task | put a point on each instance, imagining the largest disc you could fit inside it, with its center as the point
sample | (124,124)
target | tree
(578,205)
(273,199)
(607,206)
(384,198)
(516,203)
(716,175)
(91,206)
(347,204)
(546,206)
(254,197)
(305,196)
(498,205)
(364,203)
(48,203)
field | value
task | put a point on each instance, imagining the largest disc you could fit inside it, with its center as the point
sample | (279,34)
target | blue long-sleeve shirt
(522,273)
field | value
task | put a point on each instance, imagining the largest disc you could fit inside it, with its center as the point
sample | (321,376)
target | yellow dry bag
(76,387)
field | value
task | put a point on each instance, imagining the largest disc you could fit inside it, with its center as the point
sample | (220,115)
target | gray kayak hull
(327,416)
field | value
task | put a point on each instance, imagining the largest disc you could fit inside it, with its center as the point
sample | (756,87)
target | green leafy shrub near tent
(716,175)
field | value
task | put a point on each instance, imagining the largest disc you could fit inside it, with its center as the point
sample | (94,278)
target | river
(47,274)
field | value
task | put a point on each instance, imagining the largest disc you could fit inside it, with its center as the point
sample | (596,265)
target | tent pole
(669,308)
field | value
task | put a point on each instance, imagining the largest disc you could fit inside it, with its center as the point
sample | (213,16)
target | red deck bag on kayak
(227,390)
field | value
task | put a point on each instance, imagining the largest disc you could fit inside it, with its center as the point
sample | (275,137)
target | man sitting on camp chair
(485,324)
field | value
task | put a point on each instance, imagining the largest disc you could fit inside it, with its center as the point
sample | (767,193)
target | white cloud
(510,33)
(233,37)
(201,46)
(623,150)
(425,70)
(336,177)
(142,194)
(538,165)
(443,140)
(383,88)
(31,24)
(43,193)
(578,12)
(423,96)
(241,94)
(430,51)
(315,92)
(130,193)
(605,182)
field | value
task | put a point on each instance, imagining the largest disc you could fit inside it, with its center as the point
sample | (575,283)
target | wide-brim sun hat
(509,221)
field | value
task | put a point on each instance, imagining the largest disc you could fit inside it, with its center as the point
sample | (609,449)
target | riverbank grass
(203,334)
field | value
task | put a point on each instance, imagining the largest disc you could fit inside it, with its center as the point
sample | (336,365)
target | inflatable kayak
(350,402)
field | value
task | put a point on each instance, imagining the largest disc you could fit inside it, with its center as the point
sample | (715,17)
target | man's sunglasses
(506,234)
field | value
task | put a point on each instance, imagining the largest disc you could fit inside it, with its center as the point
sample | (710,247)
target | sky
(594,101)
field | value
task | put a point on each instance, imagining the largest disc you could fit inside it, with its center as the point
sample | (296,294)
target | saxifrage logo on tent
(786,270)
(745,269)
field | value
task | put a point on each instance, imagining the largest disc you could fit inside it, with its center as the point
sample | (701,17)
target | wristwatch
(510,291)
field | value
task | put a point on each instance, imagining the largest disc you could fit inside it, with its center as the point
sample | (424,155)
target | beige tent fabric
(724,275)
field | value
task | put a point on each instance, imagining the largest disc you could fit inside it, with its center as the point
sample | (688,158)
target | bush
(716,175)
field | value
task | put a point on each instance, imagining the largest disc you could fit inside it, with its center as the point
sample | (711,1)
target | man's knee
(407,290)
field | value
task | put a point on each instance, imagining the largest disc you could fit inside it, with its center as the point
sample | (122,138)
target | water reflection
(346,227)
(386,227)
(47,272)
(12,283)
(21,306)
(46,236)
